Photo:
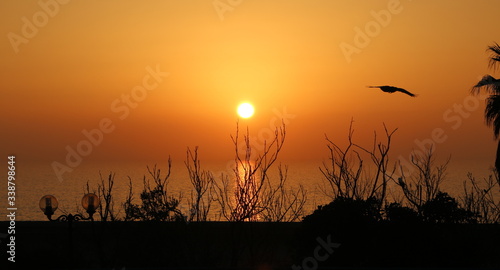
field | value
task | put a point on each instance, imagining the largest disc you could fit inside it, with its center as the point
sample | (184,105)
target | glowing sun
(245,110)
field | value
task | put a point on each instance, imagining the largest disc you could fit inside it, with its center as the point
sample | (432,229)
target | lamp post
(48,204)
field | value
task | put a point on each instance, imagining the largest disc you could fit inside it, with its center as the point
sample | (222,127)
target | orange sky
(279,55)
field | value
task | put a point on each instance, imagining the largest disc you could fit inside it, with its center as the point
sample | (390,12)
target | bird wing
(392,89)
(404,91)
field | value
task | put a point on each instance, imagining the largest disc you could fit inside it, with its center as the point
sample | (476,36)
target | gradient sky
(279,55)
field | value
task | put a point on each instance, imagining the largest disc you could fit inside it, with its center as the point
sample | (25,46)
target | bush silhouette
(346,211)
(156,203)
(444,209)
(396,213)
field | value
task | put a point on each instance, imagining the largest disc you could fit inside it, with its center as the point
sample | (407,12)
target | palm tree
(492,86)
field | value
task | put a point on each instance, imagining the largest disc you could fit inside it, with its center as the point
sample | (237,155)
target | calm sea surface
(35,180)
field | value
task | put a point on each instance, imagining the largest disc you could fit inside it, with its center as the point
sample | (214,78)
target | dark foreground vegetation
(264,225)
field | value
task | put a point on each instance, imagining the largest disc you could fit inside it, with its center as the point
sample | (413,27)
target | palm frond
(495,55)
(492,114)
(489,83)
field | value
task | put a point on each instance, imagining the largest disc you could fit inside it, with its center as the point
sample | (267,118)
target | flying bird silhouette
(392,89)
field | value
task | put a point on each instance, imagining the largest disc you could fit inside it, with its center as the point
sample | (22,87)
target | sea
(33,180)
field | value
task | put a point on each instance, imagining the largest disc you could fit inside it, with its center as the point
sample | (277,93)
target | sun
(245,110)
